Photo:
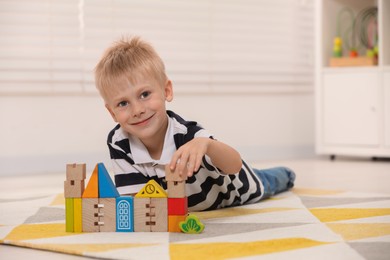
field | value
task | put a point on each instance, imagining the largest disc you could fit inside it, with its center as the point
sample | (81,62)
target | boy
(131,79)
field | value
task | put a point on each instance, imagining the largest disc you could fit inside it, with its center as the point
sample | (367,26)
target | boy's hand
(188,158)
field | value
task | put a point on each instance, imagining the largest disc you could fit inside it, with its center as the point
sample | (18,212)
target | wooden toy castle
(100,208)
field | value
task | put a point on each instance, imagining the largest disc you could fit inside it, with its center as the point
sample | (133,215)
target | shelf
(352,94)
(352,62)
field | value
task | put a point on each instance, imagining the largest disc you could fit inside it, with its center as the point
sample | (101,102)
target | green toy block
(69,215)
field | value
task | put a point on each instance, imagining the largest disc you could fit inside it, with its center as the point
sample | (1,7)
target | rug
(299,224)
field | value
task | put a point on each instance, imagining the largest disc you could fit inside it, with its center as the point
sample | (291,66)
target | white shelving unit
(352,103)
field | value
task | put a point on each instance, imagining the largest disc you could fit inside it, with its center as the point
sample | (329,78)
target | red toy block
(177,206)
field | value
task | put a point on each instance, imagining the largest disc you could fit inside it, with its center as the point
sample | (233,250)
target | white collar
(141,155)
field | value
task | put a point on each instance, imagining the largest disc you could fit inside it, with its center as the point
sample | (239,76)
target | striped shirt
(207,189)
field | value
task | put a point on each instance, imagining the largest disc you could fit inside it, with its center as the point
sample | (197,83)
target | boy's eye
(145,94)
(123,104)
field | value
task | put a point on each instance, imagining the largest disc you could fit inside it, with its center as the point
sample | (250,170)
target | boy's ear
(111,113)
(168,89)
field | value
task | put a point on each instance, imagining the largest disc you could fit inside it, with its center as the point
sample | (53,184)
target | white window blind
(52,46)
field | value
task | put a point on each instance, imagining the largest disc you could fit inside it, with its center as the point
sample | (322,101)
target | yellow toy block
(77,213)
(152,190)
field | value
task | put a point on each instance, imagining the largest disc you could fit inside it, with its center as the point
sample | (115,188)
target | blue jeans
(275,180)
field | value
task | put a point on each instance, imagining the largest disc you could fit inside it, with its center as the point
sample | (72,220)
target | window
(50,46)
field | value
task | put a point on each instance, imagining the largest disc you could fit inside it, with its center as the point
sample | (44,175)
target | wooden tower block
(107,215)
(159,214)
(174,176)
(77,211)
(124,214)
(141,214)
(76,171)
(150,215)
(69,215)
(90,215)
(173,222)
(73,188)
(176,189)
(177,206)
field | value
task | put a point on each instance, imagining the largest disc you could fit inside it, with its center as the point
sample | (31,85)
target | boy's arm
(188,158)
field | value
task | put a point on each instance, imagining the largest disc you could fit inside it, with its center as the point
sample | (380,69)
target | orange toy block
(92,189)
(73,188)
(176,189)
(177,206)
(76,171)
(173,222)
(174,176)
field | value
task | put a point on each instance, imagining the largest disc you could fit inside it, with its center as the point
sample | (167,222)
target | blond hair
(131,58)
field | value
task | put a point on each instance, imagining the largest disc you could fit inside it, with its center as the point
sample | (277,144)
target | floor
(351,174)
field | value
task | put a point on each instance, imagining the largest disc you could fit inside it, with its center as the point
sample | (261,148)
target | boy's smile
(142,122)
(140,109)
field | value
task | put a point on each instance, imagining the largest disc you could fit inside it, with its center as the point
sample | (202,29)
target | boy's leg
(275,180)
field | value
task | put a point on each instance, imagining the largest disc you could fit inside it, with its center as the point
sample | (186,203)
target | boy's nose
(138,109)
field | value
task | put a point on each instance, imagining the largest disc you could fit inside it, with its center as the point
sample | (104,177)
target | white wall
(40,134)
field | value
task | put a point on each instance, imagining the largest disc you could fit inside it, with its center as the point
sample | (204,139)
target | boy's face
(140,108)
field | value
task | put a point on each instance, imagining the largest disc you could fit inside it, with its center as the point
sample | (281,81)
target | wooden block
(69,215)
(73,188)
(107,214)
(177,206)
(107,188)
(173,222)
(92,189)
(124,214)
(174,176)
(77,211)
(191,225)
(352,61)
(159,214)
(76,171)
(152,190)
(142,214)
(176,189)
(90,214)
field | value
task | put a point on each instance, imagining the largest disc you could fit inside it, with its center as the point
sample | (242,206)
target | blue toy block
(107,188)
(124,214)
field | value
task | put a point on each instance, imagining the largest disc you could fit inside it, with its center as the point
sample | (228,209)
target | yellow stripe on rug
(226,250)
(337,214)
(360,230)
(36,231)
(58,200)
(234,212)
